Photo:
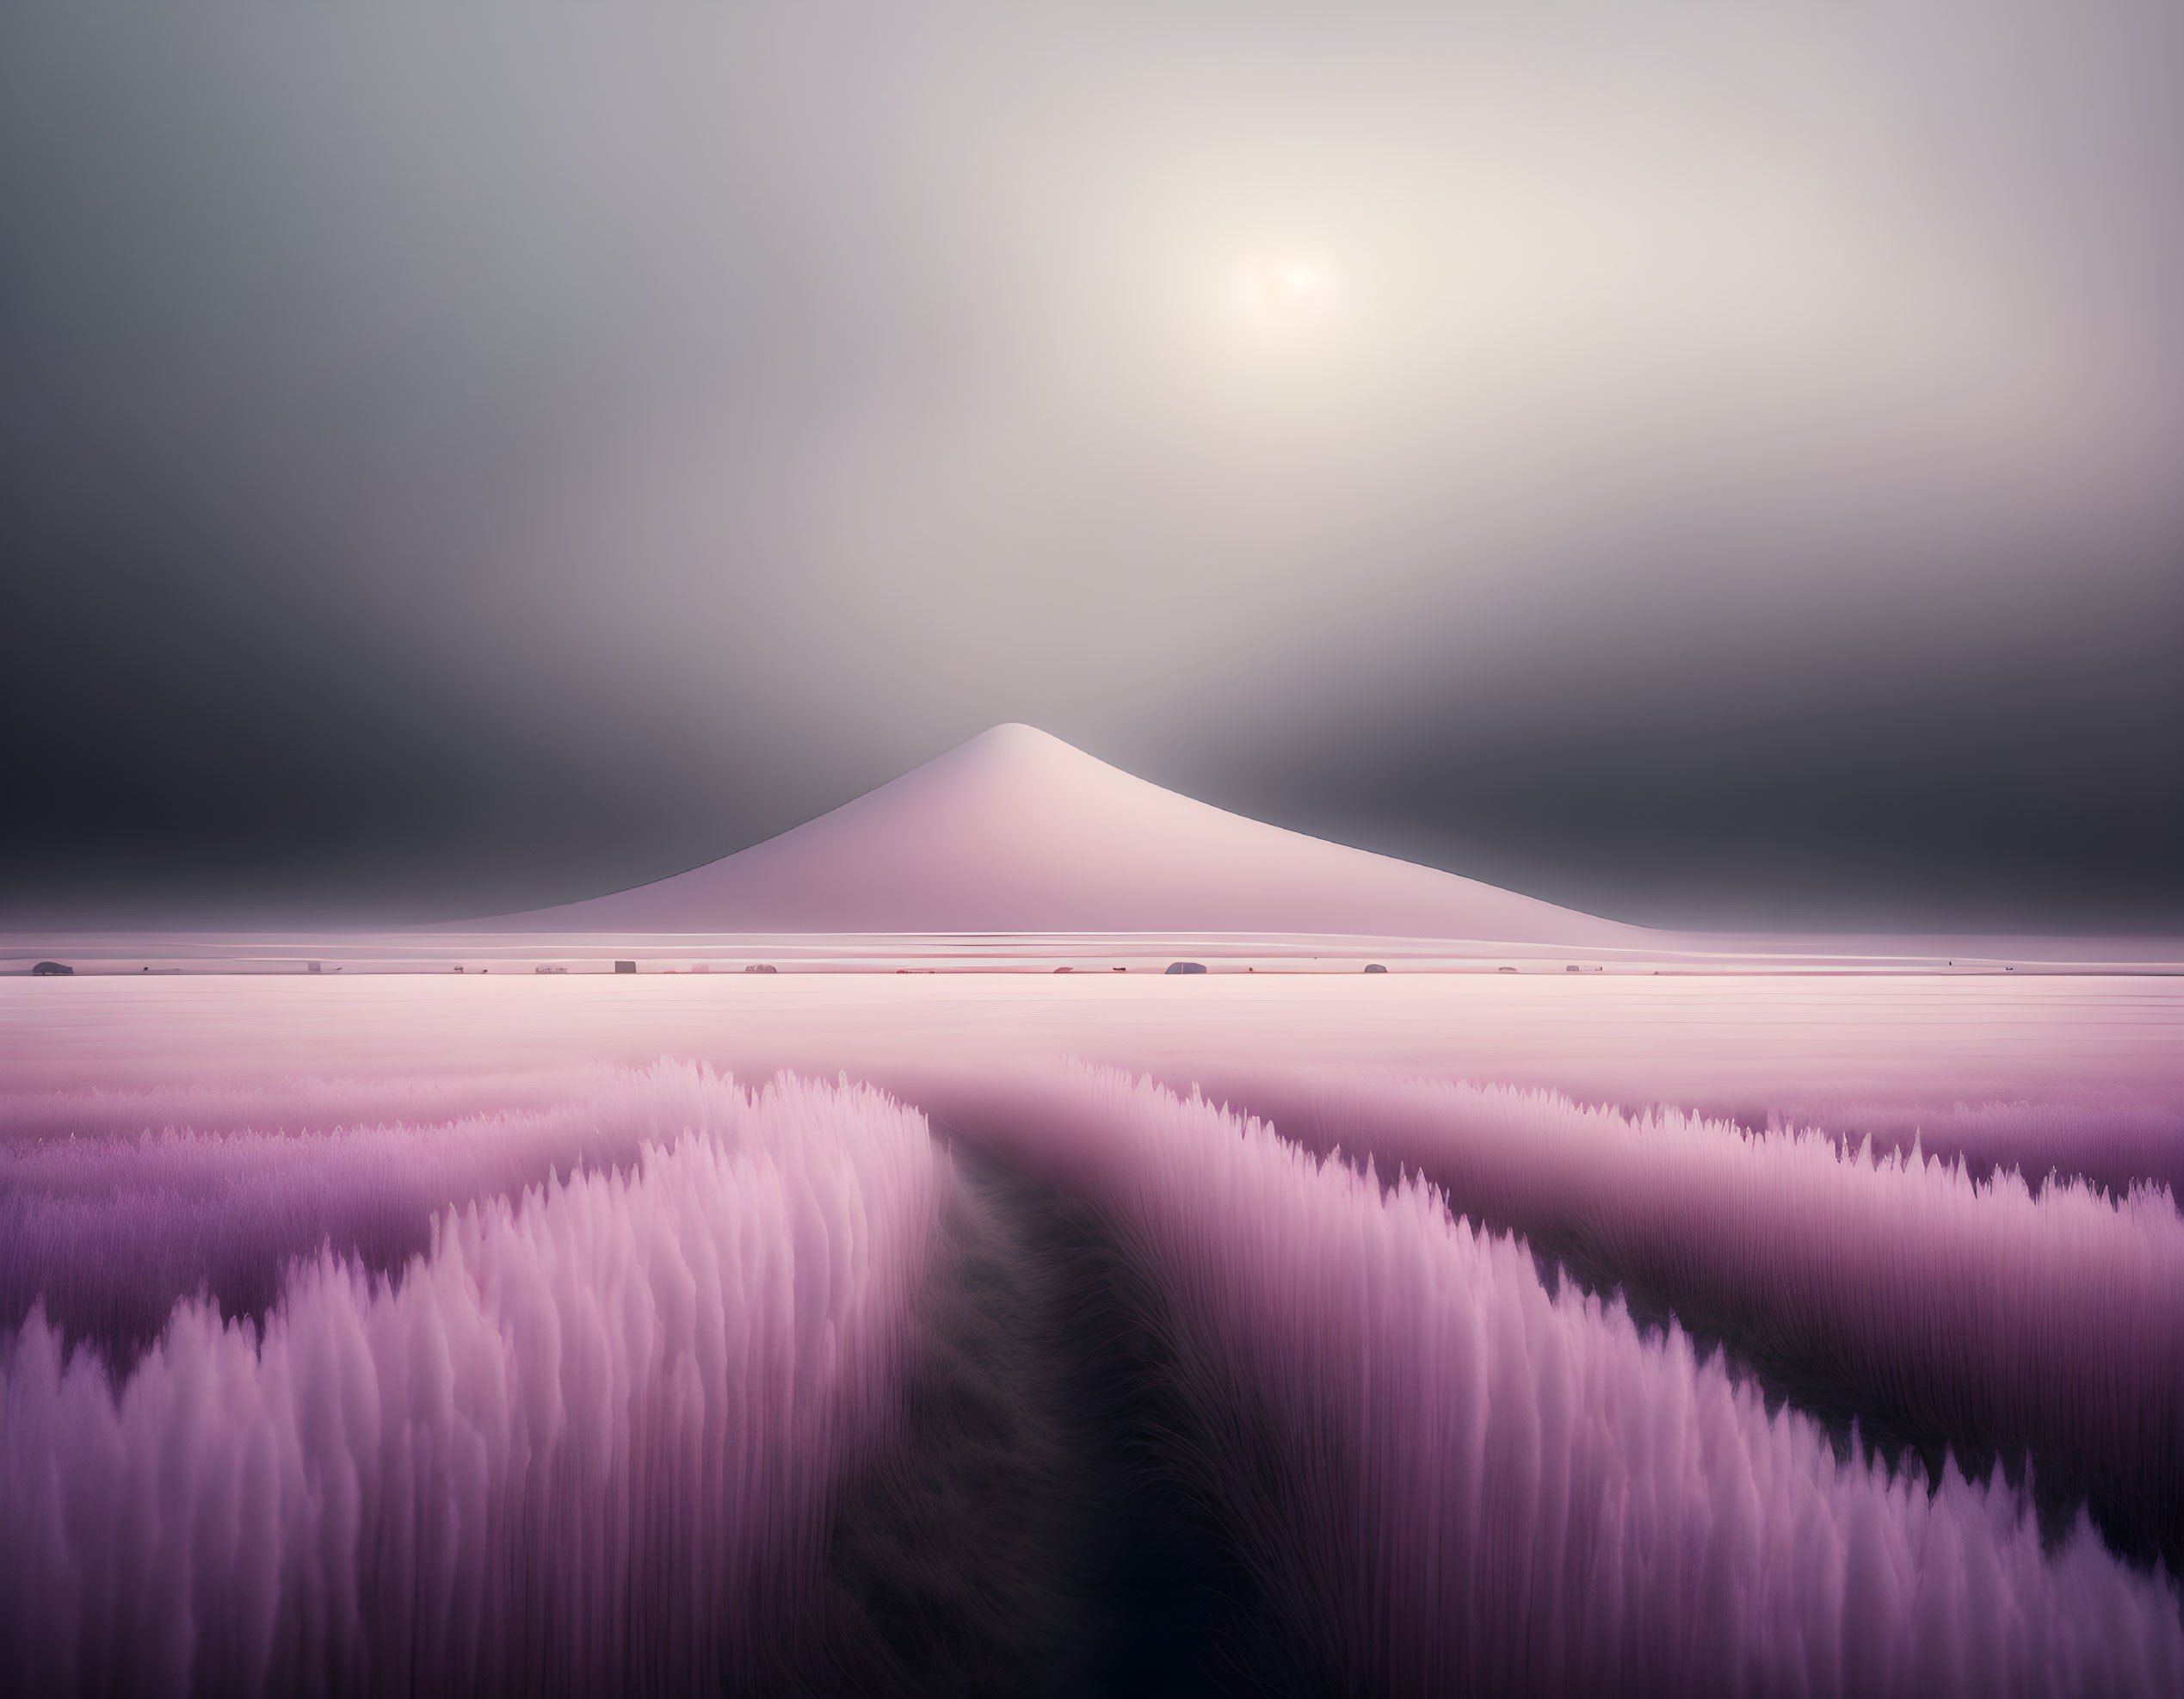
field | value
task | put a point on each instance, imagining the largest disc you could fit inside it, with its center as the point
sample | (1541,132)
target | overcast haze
(1731,468)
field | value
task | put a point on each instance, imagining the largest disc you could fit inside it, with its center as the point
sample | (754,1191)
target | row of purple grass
(582,1421)
(2005,1320)
(1480,1486)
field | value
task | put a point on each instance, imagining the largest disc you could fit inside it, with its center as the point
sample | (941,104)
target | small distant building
(626,967)
(760,967)
(52,969)
(1187,967)
(311,967)
(549,967)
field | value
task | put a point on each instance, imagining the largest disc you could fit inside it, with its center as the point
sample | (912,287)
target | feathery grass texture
(2107,1139)
(1476,1486)
(583,1443)
(114,1206)
(1974,1312)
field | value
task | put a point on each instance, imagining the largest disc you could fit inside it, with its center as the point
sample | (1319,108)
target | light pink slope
(1017,832)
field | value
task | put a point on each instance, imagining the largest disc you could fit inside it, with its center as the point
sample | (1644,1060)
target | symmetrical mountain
(1017,832)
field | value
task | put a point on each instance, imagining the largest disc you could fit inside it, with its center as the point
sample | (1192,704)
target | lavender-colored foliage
(1973,1312)
(115,1205)
(583,1443)
(295,1104)
(284,1404)
(1469,1484)
(2107,1140)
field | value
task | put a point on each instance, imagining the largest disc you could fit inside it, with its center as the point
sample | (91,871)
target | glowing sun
(1286,292)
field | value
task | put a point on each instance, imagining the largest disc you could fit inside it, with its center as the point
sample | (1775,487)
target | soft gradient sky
(457,458)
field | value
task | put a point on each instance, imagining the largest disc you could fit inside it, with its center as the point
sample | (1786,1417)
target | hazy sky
(1722,462)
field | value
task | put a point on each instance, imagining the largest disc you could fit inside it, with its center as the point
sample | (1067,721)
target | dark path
(1037,1528)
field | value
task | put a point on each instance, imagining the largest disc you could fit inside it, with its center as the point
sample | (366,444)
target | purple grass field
(1421,1333)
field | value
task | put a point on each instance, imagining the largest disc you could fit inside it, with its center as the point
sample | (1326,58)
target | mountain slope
(1017,832)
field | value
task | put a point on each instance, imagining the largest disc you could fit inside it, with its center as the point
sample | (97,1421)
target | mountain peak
(1015,734)
(1012,749)
(1016,830)
(1009,766)
(1010,744)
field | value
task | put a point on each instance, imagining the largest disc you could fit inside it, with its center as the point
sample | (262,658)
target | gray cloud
(453,458)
